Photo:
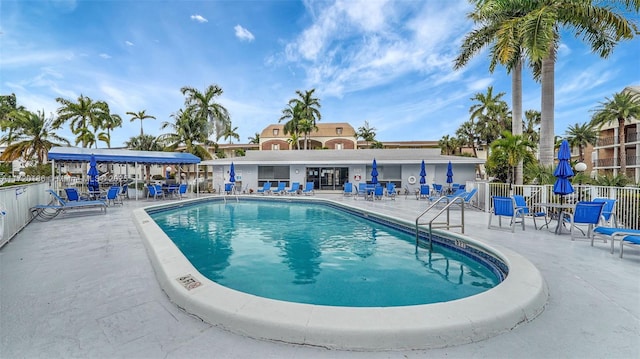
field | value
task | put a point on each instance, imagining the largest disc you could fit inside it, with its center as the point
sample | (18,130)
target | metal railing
(627,207)
(446,224)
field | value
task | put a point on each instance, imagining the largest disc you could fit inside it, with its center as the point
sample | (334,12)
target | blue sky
(386,62)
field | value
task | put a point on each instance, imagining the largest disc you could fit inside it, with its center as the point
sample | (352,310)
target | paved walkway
(83,287)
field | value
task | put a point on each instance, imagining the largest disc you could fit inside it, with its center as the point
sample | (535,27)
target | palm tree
(447,145)
(32,138)
(292,113)
(109,123)
(531,127)
(306,126)
(83,114)
(144,143)
(467,135)
(366,132)
(622,107)
(8,111)
(492,114)
(230,133)
(205,107)
(309,111)
(255,139)
(580,136)
(140,115)
(515,148)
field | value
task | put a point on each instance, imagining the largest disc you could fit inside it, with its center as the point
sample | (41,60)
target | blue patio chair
(74,195)
(173,189)
(266,188)
(391,190)
(527,212)
(630,240)
(423,193)
(584,213)
(608,211)
(506,207)
(125,191)
(112,196)
(457,193)
(280,189)
(348,189)
(378,192)
(182,190)
(308,189)
(228,188)
(437,189)
(154,191)
(362,190)
(295,187)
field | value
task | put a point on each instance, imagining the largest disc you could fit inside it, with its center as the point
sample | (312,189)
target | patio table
(561,207)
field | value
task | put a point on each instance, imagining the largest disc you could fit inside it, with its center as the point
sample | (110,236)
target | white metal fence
(15,202)
(627,208)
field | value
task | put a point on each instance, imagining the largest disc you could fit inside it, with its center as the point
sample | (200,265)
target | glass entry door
(328,178)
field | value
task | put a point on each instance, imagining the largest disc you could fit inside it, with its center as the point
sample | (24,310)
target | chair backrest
(125,189)
(424,189)
(462,186)
(58,198)
(266,186)
(587,212)
(228,187)
(309,187)
(458,192)
(362,187)
(159,188)
(470,194)
(607,210)
(348,187)
(295,186)
(152,189)
(437,187)
(503,206)
(281,186)
(72,194)
(112,193)
(521,203)
(378,191)
(183,188)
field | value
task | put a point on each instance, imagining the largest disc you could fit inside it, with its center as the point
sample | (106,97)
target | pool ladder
(445,224)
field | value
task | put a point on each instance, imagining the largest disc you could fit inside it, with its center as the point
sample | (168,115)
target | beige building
(332,136)
(604,157)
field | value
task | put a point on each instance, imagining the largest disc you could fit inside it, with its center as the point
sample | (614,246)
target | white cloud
(105,56)
(128,43)
(199,18)
(243,34)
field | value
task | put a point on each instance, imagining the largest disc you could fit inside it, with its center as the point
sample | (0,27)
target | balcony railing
(613,140)
(611,162)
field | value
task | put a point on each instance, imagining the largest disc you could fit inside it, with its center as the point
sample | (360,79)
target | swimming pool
(316,253)
(519,298)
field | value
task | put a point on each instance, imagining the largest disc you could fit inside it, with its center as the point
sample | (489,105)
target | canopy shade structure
(102,155)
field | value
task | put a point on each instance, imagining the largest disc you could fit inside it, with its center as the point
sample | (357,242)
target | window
(275,146)
(270,173)
(339,130)
(276,131)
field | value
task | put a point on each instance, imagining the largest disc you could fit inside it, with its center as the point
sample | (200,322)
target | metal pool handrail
(447,224)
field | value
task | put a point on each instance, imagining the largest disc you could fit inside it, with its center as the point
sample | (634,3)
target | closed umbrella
(93,184)
(423,173)
(374,172)
(232,174)
(449,174)
(563,172)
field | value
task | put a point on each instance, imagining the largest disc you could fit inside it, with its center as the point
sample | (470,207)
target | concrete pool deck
(84,287)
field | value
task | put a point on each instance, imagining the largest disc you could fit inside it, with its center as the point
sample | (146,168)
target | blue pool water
(316,254)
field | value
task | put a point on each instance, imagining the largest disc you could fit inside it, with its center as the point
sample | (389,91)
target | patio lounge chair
(362,190)
(308,189)
(613,233)
(112,196)
(506,207)
(391,190)
(423,193)
(608,212)
(266,188)
(182,190)
(527,212)
(348,189)
(584,213)
(282,187)
(378,192)
(73,195)
(437,189)
(48,211)
(228,188)
(295,187)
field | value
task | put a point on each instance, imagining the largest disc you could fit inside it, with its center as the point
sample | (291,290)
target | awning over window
(76,154)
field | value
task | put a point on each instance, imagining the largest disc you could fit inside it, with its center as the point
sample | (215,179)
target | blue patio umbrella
(449,173)
(374,172)
(563,172)
(232,174)
(423,173)
(93,174)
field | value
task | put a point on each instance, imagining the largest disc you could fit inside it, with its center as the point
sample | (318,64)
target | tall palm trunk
(621,143)
(547,132)
(516,119)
